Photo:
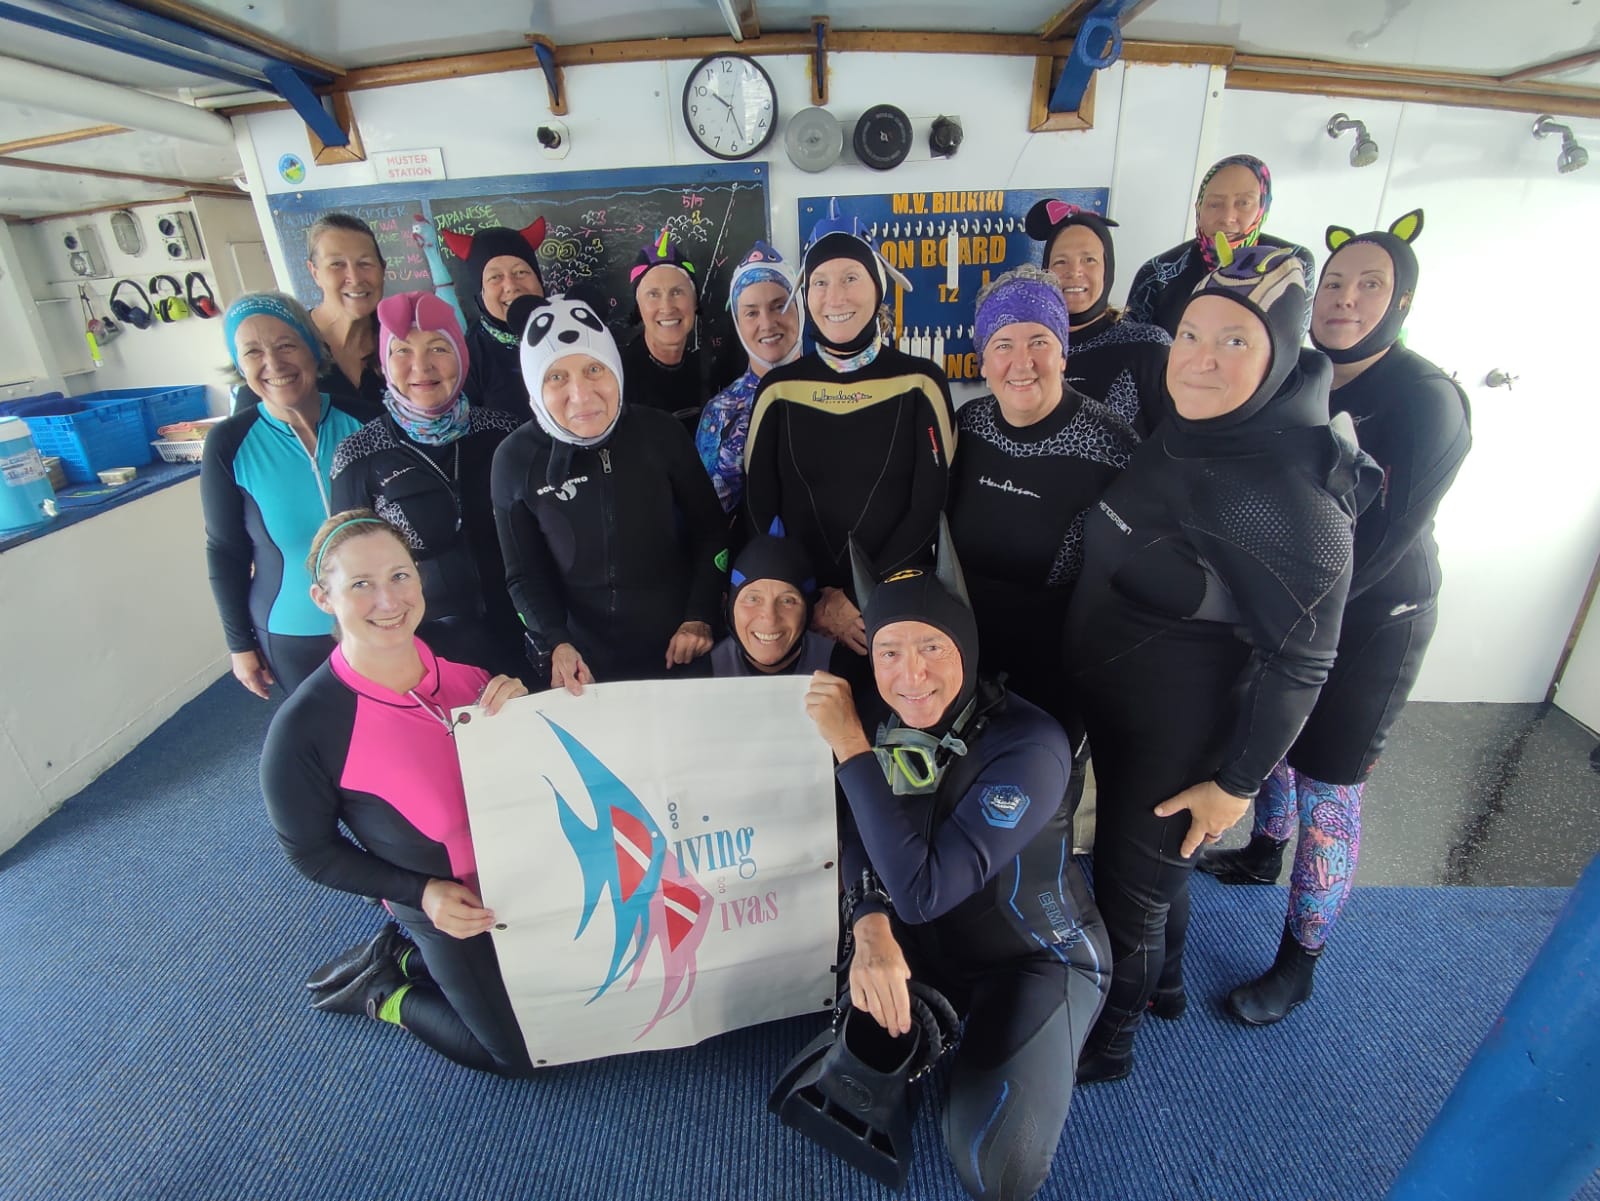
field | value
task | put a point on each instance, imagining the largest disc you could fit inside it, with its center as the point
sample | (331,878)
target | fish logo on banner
(653,900)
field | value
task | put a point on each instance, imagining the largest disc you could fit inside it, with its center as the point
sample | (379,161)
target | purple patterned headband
(1017,297)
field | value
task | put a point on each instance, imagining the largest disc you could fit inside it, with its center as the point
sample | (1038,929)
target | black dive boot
(363,993)
(1101,1067)
(1286,984)
(1169,1004)
(1258,862)
(388,943)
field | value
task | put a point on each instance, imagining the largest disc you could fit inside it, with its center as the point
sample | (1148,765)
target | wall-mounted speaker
(178,236)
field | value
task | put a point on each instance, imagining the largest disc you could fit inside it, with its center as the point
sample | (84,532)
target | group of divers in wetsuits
(1170,536)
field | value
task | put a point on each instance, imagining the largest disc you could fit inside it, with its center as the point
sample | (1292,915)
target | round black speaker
(883,137)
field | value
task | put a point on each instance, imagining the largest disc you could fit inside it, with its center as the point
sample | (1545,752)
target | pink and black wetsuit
(345,751)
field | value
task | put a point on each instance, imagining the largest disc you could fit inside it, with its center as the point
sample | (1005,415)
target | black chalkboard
(596,223)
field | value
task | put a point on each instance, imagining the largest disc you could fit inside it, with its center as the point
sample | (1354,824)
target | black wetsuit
(681,389)
(1017,502)
(1122,364)
(438,498)
(1164,283)
(865,453)
(618,553)
(1414,420)
(494,375)
(264,496)
(1201,630)
(991,910)
(729,661)
(363,399)
(345,751)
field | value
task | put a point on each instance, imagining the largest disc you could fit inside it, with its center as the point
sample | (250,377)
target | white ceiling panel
(38,194)
(146,154)
(1478,36)
(359,33)
(18,121)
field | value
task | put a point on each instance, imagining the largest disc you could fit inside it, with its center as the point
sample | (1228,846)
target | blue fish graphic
(623,851)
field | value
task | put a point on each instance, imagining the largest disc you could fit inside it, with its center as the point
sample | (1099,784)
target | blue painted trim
(120,42)
(547,64)
(162,34)
(1097,44)
(289,84)
(615,182)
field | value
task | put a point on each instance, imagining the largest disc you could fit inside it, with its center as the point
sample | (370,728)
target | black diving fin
(854,1089)
(798,1066)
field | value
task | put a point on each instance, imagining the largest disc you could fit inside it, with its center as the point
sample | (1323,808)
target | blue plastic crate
(19,406)
(109,433)
(162,406)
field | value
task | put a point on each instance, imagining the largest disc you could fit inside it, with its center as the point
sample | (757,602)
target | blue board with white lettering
(948,244)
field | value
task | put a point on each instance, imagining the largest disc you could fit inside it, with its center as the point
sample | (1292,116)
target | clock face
(730,106)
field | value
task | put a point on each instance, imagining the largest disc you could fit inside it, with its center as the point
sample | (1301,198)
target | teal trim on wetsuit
(264,499)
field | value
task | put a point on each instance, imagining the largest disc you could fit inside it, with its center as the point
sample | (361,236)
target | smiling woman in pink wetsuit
(367,743)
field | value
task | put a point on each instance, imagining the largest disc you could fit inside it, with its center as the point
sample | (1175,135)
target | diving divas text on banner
(660,856)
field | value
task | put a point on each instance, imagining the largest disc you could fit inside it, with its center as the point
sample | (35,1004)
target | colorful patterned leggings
(1325,856)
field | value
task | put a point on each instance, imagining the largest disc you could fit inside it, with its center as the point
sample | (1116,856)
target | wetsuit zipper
(316,469)
(606,529)
(468,560)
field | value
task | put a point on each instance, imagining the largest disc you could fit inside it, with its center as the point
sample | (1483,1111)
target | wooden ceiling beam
(1065,23)
(60,139)
(1172,54)
(1270,62)
(165,181)
(658,49)
(111,208)
(1418,90)
(749,20)
(1251,72)
(1571,63)
(208,22)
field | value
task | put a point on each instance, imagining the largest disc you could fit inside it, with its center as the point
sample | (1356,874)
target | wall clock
(730,106)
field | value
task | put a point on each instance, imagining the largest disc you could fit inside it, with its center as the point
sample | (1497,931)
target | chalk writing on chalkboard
(597,221)
(948,244)
(592,238)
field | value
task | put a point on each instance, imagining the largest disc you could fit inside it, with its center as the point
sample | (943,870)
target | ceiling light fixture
(1572,156)
(1365,152)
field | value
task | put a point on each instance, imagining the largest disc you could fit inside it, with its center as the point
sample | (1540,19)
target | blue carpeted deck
(157,1045)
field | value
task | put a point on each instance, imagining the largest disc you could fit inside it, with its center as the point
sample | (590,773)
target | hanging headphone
(168,308)
(205,304)
(141,317)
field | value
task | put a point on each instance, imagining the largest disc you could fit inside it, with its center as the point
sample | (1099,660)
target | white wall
(185,352)
(22,336)
(106,628)
(1518,532)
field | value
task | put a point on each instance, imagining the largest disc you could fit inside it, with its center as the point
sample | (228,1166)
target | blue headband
(264,304)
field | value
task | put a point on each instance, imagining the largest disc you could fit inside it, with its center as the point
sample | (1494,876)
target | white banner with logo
(660,859)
